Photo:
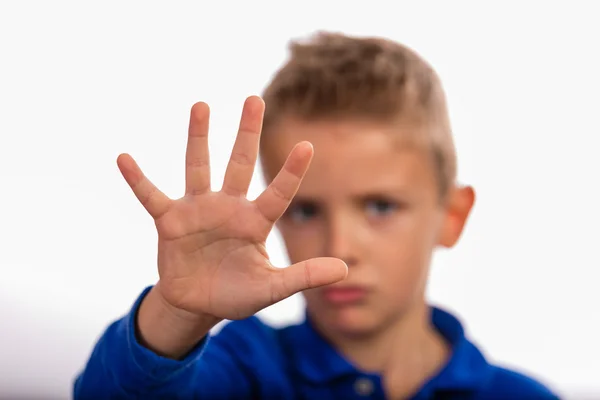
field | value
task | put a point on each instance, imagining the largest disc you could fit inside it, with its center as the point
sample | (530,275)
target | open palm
(211,248)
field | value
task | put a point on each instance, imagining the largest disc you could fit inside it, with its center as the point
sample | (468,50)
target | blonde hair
(332,75)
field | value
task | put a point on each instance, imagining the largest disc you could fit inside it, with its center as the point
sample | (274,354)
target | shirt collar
(317,361)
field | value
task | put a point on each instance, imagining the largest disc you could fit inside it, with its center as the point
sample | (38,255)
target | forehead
(351,157)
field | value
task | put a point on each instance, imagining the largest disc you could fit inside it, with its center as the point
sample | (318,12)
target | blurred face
(369,201)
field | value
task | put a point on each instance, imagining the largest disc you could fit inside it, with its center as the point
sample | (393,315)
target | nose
(343,239)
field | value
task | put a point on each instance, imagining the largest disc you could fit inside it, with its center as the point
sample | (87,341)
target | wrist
(167,330)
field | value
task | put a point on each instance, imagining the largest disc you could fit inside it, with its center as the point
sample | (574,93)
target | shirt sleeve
(121,368)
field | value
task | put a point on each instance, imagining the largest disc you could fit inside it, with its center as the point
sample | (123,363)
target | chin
(346,321)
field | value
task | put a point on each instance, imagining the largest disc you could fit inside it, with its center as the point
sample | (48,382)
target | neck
(406,352)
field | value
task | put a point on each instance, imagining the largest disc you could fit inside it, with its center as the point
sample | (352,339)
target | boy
(360,227)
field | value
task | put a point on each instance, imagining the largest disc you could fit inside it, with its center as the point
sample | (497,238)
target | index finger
(276,198)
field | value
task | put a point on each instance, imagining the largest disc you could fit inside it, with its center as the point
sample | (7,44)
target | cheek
(419,233)
(404,279)
(301,243)
(405,257)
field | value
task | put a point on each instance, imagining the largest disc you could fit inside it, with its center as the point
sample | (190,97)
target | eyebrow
(367,194)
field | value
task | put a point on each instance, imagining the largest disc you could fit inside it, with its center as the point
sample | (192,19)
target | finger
(307,275)
(245,150)
(153,200)
(276,198)
(197,160)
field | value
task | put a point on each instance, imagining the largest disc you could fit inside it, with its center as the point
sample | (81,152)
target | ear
(458,207)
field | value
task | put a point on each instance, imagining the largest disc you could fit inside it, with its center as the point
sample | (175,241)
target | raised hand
(211,245)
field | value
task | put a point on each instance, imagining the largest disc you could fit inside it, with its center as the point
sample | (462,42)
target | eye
(301,211)
(380,207)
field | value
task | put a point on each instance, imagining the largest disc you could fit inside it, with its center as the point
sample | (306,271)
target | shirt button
(363,387)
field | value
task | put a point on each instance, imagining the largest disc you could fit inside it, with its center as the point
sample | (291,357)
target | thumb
(307,275)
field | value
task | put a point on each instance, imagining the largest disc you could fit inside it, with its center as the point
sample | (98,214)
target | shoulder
(507,383)
(469,369)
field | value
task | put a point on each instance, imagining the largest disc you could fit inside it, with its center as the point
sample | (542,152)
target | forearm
(121,367)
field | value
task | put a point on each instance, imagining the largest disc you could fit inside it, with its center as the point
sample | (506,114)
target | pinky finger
(153,200)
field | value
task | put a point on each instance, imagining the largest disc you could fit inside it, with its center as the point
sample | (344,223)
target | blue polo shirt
(250,360)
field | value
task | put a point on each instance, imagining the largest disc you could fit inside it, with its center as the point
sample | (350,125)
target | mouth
(344,295)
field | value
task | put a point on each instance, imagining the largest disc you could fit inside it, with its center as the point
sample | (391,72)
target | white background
(80,83)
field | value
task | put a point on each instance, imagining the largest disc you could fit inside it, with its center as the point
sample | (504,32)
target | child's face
(369,201)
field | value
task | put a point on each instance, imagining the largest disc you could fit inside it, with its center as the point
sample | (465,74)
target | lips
(344,295)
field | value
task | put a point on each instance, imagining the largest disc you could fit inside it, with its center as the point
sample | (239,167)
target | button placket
(364,386)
